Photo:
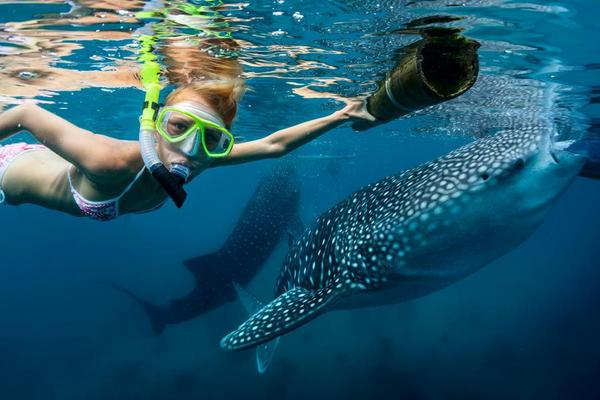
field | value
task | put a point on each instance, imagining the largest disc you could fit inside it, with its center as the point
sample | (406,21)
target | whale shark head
(523,170)
(463,210)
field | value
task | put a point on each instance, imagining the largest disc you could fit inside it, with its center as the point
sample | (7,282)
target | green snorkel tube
(172,181)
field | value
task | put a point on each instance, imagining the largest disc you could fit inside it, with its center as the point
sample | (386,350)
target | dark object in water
(432,19)
(441,66)
(591,169)
(590,145)
(269,216)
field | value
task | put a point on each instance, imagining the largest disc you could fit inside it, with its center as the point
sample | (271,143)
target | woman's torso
(40,176)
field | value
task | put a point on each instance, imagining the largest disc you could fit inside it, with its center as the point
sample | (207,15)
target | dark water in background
(524,327)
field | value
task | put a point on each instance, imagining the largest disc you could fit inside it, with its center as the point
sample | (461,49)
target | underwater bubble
(27,75)
(278,32)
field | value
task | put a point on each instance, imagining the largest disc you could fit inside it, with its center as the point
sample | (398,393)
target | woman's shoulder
(119,163)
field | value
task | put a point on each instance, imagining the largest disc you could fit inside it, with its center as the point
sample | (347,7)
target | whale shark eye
(520,163)
(485,176)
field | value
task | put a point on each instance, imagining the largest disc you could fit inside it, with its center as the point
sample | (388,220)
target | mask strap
(200,111)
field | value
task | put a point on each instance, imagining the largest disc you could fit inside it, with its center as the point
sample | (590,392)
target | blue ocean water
(523,327)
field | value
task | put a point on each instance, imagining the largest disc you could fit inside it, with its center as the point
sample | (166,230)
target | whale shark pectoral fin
(287,312)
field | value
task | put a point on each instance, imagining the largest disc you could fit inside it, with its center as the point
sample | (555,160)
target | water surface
(523,327)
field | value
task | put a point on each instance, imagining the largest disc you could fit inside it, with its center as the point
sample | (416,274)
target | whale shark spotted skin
(417,231)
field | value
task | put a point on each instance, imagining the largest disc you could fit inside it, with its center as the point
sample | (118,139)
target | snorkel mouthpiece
(181,172)
(172,182)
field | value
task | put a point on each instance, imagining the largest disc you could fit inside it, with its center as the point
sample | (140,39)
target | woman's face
(172,153)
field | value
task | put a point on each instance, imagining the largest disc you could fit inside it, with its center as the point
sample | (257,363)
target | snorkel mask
(190,126)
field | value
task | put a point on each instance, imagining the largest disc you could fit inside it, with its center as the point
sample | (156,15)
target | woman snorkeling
(83,173)
(87,174)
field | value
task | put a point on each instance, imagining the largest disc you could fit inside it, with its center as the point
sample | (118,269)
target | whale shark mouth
(556,148)
(554,157)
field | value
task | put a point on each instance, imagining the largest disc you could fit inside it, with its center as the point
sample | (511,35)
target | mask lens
(212,138)
(216,141)
(176,124)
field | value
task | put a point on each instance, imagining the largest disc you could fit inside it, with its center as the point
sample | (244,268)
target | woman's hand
(356,111)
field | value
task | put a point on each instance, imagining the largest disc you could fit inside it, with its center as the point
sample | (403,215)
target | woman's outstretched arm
(96,155)
(283,141)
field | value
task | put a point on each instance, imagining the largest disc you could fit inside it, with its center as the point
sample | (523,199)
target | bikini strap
(128,188)
(69,177)
(123,193)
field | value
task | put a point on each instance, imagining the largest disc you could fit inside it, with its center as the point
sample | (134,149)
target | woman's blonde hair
(221,95)
(204,77)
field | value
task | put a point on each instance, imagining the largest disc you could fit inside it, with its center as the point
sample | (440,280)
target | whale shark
(415,232)
(270,215)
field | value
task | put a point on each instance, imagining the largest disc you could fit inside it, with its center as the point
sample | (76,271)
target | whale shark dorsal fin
(287,312)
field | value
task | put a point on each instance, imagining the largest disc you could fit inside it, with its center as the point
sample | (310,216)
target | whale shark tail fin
(287,312)
(266,351)
(213,276)
(207,269)
(155,314)
(198,265)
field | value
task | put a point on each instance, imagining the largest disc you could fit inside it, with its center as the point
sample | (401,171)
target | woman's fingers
(363,119)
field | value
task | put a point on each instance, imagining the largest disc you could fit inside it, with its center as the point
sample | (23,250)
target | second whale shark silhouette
(270,215)
(415,232)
